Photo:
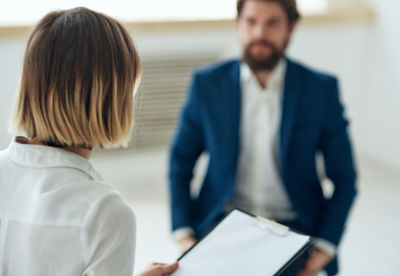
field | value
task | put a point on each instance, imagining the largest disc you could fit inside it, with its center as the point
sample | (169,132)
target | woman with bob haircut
(57,215)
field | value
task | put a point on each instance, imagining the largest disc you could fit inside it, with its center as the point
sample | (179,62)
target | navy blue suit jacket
(312,122)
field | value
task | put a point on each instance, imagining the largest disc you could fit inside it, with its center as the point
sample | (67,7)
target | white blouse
(58,217)
(259,188)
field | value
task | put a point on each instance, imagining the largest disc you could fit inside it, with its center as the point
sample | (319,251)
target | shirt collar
(275,79)
(37,156)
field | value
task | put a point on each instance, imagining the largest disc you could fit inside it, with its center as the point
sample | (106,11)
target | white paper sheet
(242,245)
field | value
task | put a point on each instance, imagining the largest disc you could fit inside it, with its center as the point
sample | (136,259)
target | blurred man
(262,120)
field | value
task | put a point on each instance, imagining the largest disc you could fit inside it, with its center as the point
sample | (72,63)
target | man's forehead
(262,8)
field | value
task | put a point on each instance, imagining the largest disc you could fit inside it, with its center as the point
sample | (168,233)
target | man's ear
(292,27)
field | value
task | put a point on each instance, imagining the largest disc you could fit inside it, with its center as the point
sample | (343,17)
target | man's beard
(263,64)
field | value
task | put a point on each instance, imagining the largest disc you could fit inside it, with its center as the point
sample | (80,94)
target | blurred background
(358,41)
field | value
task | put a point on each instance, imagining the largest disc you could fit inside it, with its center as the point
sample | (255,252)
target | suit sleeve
(339,165)
(186,148)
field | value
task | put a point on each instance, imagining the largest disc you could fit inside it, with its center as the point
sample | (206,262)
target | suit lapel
(236,100)
(291,92)
(236,97)
(230,111)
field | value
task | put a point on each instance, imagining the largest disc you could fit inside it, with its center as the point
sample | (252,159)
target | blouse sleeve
(108,237)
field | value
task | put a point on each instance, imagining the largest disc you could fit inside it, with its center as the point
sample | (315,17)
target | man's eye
(251,21)
(273,23)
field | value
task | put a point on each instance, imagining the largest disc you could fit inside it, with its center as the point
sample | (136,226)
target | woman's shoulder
(107,203)
(104,197)
(79,200)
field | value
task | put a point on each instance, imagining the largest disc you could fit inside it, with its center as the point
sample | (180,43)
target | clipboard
(242,244)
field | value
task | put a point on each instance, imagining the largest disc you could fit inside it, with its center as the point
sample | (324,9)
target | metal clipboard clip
(270,225)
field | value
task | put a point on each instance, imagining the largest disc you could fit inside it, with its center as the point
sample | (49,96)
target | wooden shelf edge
(350,13)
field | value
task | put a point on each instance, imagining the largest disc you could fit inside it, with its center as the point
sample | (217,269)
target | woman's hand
(158,269)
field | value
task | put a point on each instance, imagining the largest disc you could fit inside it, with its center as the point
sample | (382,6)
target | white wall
(381,116)
(11,56)
(365,57)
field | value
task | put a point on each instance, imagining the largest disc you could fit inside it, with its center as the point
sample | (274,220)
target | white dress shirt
(58,217)
(259,188)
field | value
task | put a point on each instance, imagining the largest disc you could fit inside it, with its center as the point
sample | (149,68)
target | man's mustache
(261,42)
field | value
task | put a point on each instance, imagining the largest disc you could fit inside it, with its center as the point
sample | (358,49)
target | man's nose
(259,31)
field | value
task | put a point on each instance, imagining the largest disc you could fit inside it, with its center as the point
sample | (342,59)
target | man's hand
(315,263)
(158,269)
(186,242)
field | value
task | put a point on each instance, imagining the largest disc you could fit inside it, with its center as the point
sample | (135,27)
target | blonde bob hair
(79,74)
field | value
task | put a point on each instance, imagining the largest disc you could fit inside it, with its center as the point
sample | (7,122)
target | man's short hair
(289,6)
(79,74)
